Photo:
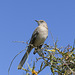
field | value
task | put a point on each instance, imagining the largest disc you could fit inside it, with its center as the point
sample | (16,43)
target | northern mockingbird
(38,37)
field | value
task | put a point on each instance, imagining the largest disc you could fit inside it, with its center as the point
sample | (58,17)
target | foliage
(61,61)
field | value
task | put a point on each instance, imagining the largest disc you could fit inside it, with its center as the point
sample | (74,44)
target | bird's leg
(35,51)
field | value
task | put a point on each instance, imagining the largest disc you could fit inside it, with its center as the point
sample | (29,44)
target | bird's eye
(41,21)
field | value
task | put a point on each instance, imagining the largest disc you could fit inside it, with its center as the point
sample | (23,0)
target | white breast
(42,35)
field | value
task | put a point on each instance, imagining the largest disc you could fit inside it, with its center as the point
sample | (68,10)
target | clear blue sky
(17,24)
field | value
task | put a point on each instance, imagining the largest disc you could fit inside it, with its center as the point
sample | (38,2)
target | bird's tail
(24,57)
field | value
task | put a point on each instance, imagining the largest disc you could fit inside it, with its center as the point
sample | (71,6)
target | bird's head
(41,22)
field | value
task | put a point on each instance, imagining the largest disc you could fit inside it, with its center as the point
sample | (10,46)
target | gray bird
(38,37)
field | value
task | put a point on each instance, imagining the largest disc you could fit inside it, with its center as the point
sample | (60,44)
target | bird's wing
(35,34)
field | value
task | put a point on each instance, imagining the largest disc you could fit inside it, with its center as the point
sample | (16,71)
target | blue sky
(17,24)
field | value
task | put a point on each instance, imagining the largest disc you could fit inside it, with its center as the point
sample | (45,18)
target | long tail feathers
(24,57)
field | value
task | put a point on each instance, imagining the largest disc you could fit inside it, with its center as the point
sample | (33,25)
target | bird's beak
(36,20)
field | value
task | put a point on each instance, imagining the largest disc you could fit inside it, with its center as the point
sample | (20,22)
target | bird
(38,38)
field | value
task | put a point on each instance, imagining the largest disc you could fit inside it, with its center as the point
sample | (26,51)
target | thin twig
(68,67)
(13,60)
(52,38)
(19,42)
